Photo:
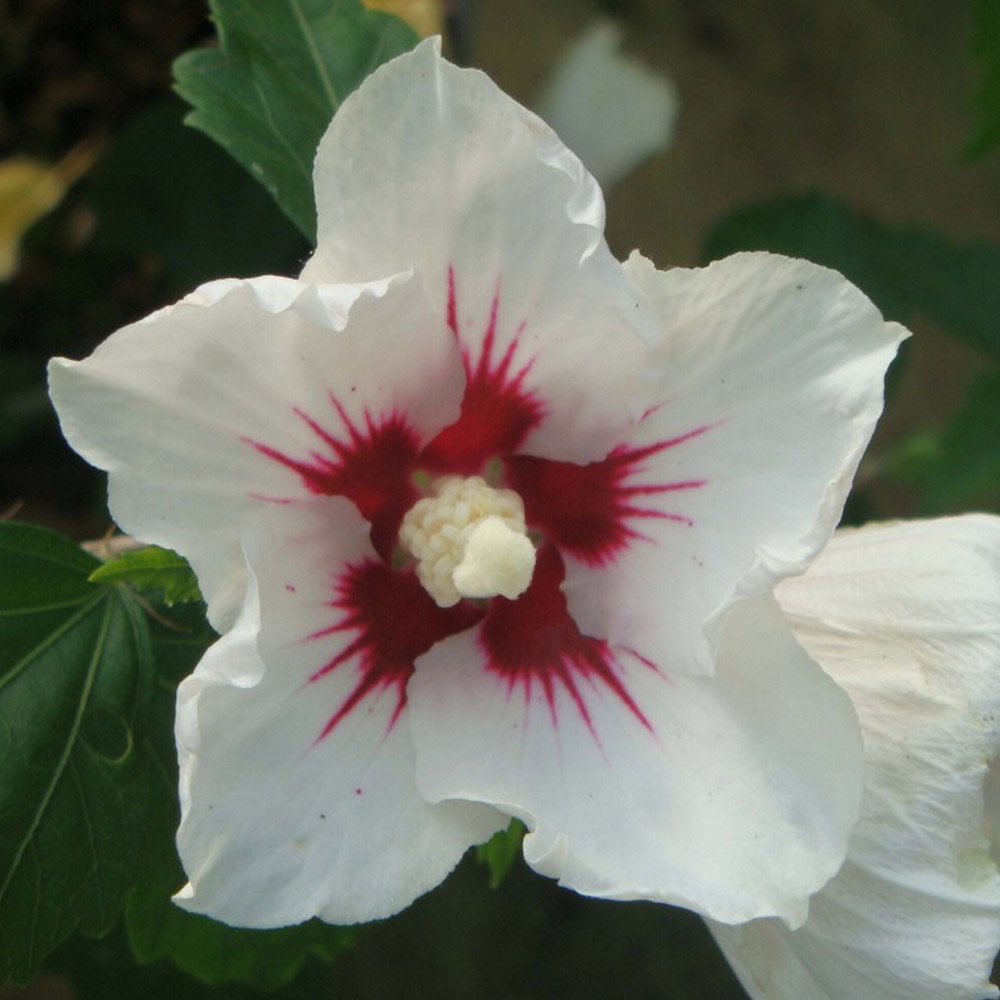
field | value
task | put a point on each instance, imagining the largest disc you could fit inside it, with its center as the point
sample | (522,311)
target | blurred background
(837,131)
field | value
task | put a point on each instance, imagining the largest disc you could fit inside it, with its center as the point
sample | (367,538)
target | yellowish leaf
(29,189)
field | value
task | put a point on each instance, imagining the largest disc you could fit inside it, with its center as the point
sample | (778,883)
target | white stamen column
(469,540)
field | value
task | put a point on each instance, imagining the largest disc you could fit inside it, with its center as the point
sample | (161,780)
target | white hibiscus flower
(465,396)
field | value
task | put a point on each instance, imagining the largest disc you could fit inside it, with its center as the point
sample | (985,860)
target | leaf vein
(61,764)
(51,638)
(329,89)
(90,838)
(36,609)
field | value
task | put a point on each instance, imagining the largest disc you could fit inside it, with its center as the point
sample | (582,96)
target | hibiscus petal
(207,413)
(771,380)
(733,795)
(612,109)
(286,815)
(906,617)
(432,167)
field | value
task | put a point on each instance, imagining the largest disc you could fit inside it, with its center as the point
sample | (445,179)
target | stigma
(469,540)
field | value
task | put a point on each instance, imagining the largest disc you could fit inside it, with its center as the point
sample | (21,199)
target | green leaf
(959,467)
(152,569)
(170,195)
(282,69)
(214,953)
(75,681)
(986,48)
(500,852)
(211,952)
(904,270)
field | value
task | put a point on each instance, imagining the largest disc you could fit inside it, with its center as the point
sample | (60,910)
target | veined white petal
(906,617)
(432,167)
(283,816)
(732,795)
(178,407)
(771,382)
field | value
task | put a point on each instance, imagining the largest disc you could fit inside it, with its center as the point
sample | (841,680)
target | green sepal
(152,569)
(500,852)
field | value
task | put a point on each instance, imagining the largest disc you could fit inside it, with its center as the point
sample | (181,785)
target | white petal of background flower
(280,823)
(906,617)
(431,167)
(737,799)
(609,108)
(781,363)
(169,406)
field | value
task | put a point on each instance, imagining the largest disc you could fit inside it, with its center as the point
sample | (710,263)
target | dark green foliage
(958,467)
(75,683)
(171,197)
(986,48)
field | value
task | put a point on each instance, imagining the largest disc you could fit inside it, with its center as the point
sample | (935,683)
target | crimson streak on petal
(371,466)
(586,509)
(497,411)
(534,640)
(391,621)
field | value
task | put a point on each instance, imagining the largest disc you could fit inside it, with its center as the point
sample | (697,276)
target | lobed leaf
(282,69)
(75,681)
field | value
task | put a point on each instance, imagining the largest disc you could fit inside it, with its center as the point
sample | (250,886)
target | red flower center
(588,512)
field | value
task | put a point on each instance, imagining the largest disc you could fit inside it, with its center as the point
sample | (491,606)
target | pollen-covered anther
(469,540)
